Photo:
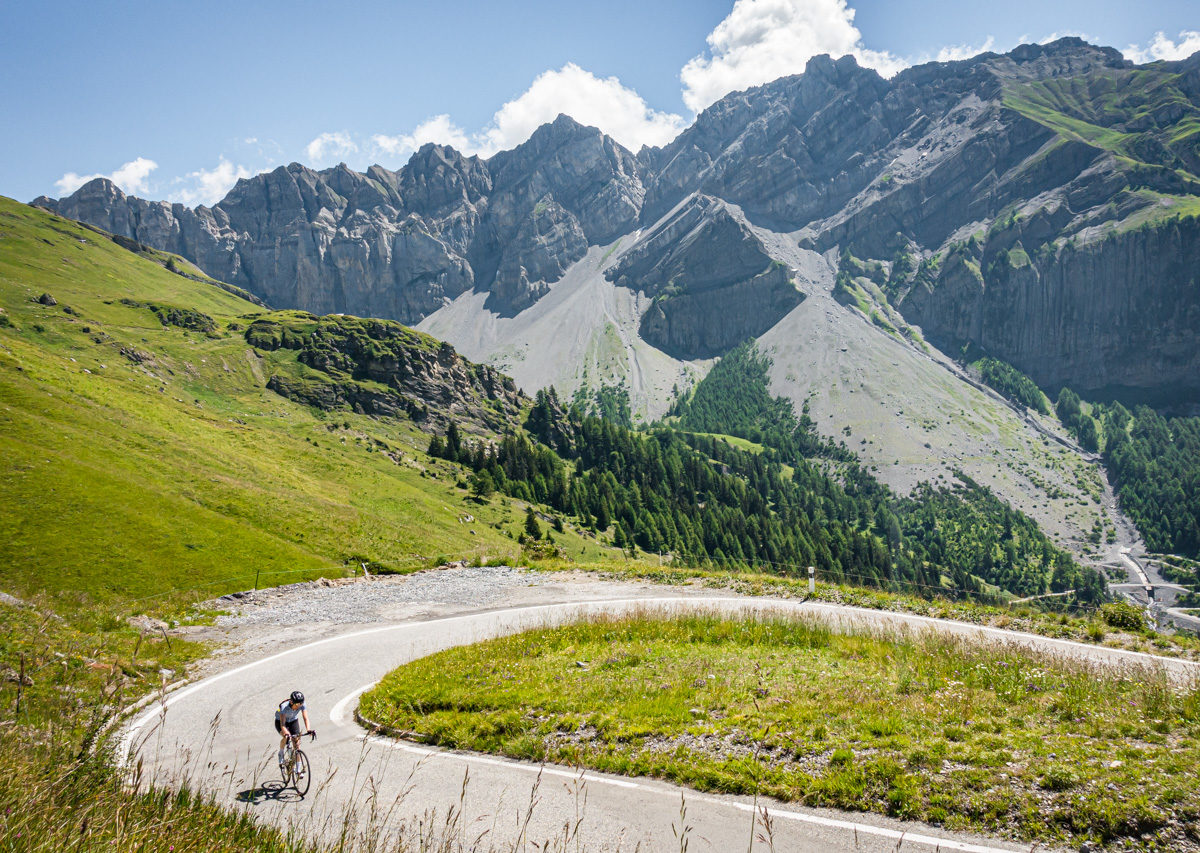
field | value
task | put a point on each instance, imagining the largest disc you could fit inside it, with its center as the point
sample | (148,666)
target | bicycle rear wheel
(301,777)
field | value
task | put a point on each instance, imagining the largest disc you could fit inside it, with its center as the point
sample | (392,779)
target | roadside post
(812,579)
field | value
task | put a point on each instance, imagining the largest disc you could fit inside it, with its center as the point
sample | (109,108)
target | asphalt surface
(217,735)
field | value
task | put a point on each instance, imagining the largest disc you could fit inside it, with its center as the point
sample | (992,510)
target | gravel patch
(12,600)
(256,623)
(359,601)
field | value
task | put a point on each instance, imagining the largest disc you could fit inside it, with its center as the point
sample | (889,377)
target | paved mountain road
(217,735)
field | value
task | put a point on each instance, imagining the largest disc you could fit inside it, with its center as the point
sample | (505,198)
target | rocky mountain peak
(438,178)
(567,186)
(100,188)
(98,194)
(569,156)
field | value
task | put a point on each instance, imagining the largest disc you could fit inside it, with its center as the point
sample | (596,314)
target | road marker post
(812,579)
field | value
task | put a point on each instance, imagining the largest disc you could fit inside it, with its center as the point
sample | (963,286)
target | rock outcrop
(713,281)
(377,367)
(1110,318)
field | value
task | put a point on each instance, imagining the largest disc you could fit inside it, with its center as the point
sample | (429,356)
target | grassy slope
(124,480)
(1139,115)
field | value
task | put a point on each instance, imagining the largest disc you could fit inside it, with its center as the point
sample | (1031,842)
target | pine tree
(532,529)
(453,442)
(482,485)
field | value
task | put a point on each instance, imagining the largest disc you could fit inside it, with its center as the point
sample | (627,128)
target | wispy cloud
(130,177)
(330,148)
(439,129)
(602,102)
(955,52)
(208,186)
(1163,47)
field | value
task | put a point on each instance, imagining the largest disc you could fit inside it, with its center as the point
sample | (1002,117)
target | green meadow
(917,726)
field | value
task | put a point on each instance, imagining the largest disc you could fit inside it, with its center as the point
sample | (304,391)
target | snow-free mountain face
(1032,200)
(1036,206)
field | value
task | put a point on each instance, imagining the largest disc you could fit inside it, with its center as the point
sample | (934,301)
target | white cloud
(130,177)
(955,52)
(600,102)
(329,149)
(1062,34)
(439,129)
(208,186)
(761,40)
(1163,47)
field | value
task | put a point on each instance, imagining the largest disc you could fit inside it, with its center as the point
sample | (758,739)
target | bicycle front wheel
(301,777)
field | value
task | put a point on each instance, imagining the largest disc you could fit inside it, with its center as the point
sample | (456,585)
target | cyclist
(287,720)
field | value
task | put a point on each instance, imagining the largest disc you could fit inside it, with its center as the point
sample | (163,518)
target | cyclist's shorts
(293,726)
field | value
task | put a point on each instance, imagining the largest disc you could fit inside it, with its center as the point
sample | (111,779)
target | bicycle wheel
(289,762)
(301,777)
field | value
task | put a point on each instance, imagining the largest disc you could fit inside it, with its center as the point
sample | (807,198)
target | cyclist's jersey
(287,713)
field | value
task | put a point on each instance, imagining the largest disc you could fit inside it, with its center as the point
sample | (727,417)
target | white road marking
(338,714)
(488,761)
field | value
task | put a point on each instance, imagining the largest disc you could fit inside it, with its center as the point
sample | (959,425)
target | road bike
(296,772)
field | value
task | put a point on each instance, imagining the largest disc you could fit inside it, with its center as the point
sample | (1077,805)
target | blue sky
(176,100)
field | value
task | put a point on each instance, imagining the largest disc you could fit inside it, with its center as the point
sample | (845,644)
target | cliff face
(1079,166)
(1110,318)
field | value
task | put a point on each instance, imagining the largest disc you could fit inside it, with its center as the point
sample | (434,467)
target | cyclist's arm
(304,713)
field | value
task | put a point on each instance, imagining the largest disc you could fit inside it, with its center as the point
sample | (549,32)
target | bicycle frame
(296,772)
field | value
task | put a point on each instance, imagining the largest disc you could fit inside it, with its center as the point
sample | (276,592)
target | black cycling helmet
(297,697)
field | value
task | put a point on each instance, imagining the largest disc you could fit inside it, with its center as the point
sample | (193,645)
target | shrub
(1122,614)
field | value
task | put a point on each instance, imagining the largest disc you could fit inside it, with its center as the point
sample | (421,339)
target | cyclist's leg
(288,730)
(292,733)
(282,738)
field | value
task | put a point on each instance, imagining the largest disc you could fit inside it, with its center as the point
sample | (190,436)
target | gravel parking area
(252,622)
(359,601)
